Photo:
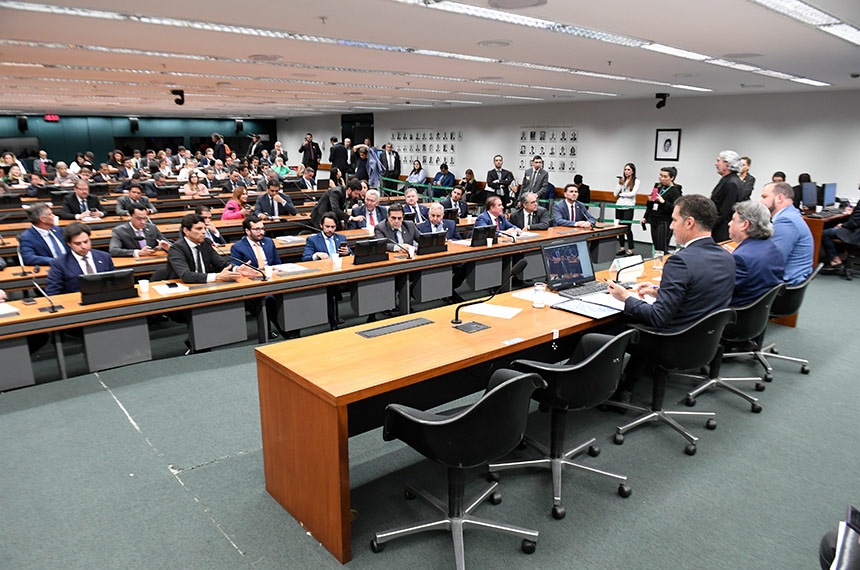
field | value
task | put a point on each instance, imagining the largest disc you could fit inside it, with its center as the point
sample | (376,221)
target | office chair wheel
(690,449)
(528,546)
(558,512)
(618,439)
(711,424)
(759,387)
(376,546)
(593,450)
(690,401)
(408,495)
(768,377)
(774,350)
(493,477)
(624,491)
(804,369)
(496,498)
(755,408)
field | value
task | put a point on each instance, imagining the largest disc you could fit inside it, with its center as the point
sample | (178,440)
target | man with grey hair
(64,177)
(369,214)
(727,192)
(758,262)
(531,217)
(435,222)
(43,241)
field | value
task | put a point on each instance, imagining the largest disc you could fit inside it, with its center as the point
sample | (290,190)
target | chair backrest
(690,348)
(789,302)
(751,319)
(487,430)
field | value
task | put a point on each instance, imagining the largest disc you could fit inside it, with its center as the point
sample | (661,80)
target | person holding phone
(625,191)
(659,208)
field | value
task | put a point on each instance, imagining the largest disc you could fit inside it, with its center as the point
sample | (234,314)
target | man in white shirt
(63,277)
(193,260)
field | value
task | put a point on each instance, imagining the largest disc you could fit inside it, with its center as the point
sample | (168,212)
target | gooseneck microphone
(53,308)
(617,279)
(23,272)
(514,271)
(239,261)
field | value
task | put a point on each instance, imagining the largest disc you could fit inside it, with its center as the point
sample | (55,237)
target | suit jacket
(449,225)
(306,184)
(265,205)
(390,172)
(850,230)
(380,213)
(408,229)
(219,239)
(49,166)
(180,262)
(63,277)
(794,240)
(124,204)
(305,149)
(727,192)
(72,206)
(334,200)
(420,207)
(518,218)
(100,178)
(697,281)
(758,268)
(497,185)
(123,241)
(585,193)
(34,250)
(256,149)
(227,184)
(337,156)
(242,250)
(536,183)
(485,220)
(657,212)
(316,244)
(561,214)
(125,173)
(464,209)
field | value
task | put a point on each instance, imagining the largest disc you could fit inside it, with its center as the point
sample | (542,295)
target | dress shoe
(273,335)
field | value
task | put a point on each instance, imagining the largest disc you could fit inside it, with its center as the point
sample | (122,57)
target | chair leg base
(726,384)
(664,417)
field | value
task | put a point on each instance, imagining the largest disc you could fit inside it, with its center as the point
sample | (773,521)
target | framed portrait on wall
(667,144)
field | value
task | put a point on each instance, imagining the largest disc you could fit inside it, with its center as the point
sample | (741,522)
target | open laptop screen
(567,264)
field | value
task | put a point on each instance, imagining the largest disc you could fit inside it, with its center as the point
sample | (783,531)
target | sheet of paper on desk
(290,239)
(163,289)
(462,241)
(608,300)
(489,310)
(89,219)
(549,297)
(528,235)
(7,309)
(289,267)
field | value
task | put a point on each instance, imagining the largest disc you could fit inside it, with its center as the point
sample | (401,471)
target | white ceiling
(72,64)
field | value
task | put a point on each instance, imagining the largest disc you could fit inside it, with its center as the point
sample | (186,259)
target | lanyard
(666,189)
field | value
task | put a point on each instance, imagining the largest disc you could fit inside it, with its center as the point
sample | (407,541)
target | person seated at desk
(63,176)
(81,204)
(443,180)
(418,174)
(245,178)
(531,217)
(189,168)
(848,232)
(394,229)
(212,233)
(326,245)
(368,215)
(138,237)
(237,206)
(802,178)
(127,170)
(494,215)
(790,233)
(470,187)
(282,169)
(37,181)
(571,212)
(255,248)
(134,197)
(306,182)
(435,223)
(164,168)
(193,188)
(63,277)
(208,180)
(42,242)
(274,203)
(192,258)
(151,186)
(334,200)
(103,176)
(455,200)
(758,262)
(232,181)
(697,281)
(15,177)
(412,205)
(268,175)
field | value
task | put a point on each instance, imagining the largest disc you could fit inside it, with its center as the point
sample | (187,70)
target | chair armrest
(534,365)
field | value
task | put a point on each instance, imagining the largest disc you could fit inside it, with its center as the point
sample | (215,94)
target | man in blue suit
(455,200)
(494,215)
(368,215)
(255,249)
(41,243)
(63,277)
(325,245)
(571,212)
(412,205)
(274,203)
(790,233)
(758,262)
(437,223)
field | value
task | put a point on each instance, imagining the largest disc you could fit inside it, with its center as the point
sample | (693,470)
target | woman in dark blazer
(660,205)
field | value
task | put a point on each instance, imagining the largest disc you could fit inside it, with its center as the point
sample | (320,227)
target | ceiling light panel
(799,11)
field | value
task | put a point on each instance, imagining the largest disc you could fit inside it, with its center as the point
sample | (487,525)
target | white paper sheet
(490,310)
(290,239)
(7,309)
(549,298)
(608,300)
(289,267)
(163,289)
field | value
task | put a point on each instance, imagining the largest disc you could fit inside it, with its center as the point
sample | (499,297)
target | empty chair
(461,439)
(587,379)
(681,351)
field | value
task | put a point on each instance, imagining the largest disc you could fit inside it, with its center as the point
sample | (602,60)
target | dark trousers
(625,214)
(660,235)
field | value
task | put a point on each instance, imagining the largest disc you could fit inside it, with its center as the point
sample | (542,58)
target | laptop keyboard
(585,289)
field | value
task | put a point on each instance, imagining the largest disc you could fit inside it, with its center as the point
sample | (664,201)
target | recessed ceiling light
(264,57)
(686,75)
(515,4)
(494,43)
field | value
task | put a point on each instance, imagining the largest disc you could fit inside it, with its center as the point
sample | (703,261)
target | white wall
(291,133)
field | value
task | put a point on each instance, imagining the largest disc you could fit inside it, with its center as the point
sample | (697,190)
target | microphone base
(52,309)
(23,273)
(471,327)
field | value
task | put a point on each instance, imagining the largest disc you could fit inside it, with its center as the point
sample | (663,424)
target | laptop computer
(569,271)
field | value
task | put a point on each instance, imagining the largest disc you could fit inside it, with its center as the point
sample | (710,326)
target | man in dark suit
(103,176)
(411,205)
(368,215)
(570,212)
(334,200)
(536,179)
(233,181)
(436,223)
(256,148)
(494,215)
(274,203)
(758,261)
(43,165)
(80,204)
(193,260)
(584,189)
(220,151)
(395,230)
(211,232)
(127,170)
(848,232)
(727,192)
(43,242)
(63,277)
(390,160)
(138,237)
(134,197)
(455,200)
(499,182)
(337,156)
(311,153)
(351,157)
(530,216)
(306,182)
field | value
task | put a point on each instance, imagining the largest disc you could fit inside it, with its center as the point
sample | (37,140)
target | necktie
(90,269)
(44,170)
(332,251)
(275,207)
(399,236)
(83,206)
(372,220)
(531,219)
(261,257)
(499,223)
(572,213)
(438,229)
(418,218)
(141,241)
(55,245)
(198,259)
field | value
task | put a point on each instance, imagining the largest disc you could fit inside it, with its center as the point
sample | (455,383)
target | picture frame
(667,144)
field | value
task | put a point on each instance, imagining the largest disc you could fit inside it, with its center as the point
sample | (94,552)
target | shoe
(273,335)
(630,253)
(831,269)
(621,251)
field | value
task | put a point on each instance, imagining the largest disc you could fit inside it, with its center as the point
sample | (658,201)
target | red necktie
(499,223)
(372,221)
(572,215)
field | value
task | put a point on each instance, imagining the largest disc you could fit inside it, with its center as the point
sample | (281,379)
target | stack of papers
(489,310)
(7,309)
(163,289)
(289,267)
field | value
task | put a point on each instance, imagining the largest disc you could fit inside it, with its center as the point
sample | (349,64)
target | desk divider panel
(17,370)
(535,268)
(602,250)
(303,309)
(217,325)
(372,295)
(485,274)
(433,284)
(108,345)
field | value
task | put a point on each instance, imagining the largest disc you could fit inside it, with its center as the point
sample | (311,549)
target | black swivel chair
(750,323)
(672,352)
(460,439)
(587,379)
(785,305)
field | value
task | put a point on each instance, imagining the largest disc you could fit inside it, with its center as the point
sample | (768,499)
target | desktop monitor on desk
(451,214)
(567,265)
(828,195)
(370,251)
(810,194)
(432,242)
(107,286)
(10,201)
(480,235)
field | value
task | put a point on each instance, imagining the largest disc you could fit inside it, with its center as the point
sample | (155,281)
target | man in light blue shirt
(790,233)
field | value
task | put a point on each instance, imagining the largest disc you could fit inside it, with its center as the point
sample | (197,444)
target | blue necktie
(331,249)
(83,206)
(58,247)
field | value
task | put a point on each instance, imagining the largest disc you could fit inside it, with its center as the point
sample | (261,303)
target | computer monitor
(567,264)
(408,216)
(99,188)
(432,242)
(167,191)
(370,251)
(810,194)
(107,286)
(451,214)
(10,201)
(480,235)
(829,194)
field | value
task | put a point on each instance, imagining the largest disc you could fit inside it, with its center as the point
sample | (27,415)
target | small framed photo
(667,144)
